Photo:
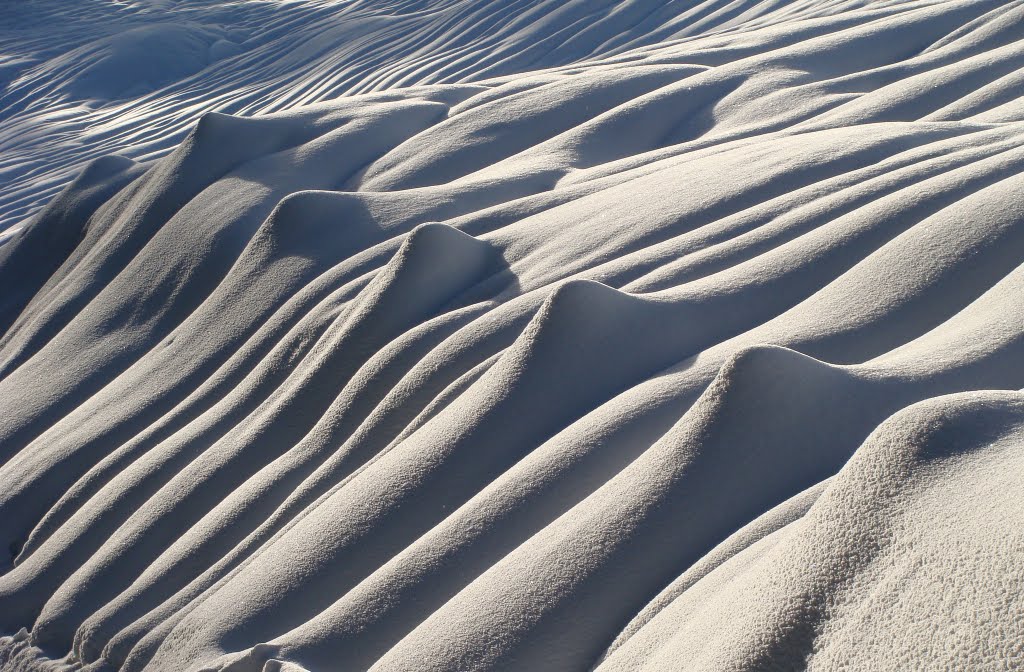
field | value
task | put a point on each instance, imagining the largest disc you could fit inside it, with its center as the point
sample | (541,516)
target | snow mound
(512,335)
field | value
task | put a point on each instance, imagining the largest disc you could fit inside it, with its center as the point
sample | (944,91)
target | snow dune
(493,335)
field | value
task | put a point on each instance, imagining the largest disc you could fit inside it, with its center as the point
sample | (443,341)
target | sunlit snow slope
(556,336)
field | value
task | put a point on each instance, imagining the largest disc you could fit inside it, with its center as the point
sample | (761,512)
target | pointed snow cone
(586,342)
(218,144)
(776,409)
(231,139)
(102,169)
(322,226)
(435,263)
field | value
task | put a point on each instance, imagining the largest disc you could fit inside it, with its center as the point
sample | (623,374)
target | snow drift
(574,336)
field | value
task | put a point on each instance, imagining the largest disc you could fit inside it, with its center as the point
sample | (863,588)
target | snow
(511,335)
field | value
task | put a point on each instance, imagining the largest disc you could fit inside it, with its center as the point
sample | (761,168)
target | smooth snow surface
(542,335)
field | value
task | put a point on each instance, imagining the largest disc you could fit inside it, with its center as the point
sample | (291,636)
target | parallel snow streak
(665,356)
(99,78)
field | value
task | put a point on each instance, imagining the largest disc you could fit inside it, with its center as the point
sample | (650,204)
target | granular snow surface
(511,335)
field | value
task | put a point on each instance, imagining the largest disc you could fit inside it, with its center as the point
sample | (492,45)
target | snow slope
(494,335)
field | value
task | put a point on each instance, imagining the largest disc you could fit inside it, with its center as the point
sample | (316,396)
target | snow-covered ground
(498,335)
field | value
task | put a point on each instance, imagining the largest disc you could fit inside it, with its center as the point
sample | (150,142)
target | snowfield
(539,335)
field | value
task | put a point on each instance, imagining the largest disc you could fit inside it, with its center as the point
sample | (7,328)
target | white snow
(449,335)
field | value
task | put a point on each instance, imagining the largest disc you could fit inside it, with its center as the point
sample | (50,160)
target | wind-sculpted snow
(573,336)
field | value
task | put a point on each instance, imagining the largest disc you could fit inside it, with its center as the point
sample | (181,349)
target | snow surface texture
(575,336)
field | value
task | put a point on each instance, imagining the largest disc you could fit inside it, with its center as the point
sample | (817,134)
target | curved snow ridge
(695,349)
